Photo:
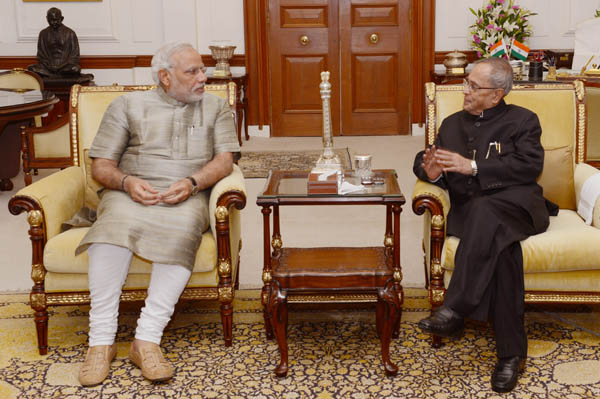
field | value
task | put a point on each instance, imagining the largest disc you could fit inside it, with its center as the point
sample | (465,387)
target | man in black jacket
(488,156)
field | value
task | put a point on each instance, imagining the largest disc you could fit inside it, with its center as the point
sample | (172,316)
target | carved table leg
(266,276)
(388,313)
(277,312)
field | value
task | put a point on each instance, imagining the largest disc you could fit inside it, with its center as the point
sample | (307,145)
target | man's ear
(498,95)
(165,78)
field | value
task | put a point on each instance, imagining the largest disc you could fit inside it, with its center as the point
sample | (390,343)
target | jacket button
(470,180)
(477,124)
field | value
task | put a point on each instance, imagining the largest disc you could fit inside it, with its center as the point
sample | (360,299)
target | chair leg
(227,320)
(41,325)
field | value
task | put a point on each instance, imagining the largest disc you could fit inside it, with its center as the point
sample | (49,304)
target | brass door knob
(304,40)
(374,38)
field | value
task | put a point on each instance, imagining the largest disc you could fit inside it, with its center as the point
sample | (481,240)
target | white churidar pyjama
(108,268)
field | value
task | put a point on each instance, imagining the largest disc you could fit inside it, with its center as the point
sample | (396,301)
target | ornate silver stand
(328,161)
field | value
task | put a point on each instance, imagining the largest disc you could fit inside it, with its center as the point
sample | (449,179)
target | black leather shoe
(504,378)
(443,322)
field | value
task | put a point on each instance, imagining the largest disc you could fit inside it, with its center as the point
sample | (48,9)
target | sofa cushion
(557,177)
(59,254)
(91,185)
(568,245)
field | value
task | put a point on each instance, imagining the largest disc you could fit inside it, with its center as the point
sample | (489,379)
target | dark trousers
(487,281)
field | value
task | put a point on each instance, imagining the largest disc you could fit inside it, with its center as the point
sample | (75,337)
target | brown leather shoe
(149,358)
(96,365)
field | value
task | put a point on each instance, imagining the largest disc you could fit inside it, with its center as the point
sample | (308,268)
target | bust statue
(57,50)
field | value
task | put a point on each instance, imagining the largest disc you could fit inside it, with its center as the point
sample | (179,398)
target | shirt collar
(167,98)
(491,112)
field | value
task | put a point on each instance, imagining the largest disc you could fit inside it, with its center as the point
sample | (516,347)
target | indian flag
(519,50)
(498,49)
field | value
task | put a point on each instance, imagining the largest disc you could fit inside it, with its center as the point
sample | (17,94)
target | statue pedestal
(61,87)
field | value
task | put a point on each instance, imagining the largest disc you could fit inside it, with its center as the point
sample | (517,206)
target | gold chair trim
(332,298)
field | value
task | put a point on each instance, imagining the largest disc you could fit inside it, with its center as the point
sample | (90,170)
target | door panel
(299,95)
(374,35)
(367,15)
(368,95)
(303,43)
(292,17)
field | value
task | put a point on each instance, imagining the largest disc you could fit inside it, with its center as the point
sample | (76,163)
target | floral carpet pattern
(333,354)
(259,163)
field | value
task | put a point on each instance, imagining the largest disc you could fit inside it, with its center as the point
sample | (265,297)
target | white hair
(162,57)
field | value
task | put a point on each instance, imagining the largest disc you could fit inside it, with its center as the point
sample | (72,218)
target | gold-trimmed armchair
(60,277)
(592,94)
(561,265)
(22,79)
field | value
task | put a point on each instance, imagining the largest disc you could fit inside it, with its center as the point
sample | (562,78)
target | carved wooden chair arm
(58,197)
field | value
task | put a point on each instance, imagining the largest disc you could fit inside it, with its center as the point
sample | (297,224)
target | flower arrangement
(499,20)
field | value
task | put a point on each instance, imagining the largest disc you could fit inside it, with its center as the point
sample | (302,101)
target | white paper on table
(347,188)
(323,176)
(586,44)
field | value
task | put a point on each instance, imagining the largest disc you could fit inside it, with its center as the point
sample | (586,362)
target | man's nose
(201,78)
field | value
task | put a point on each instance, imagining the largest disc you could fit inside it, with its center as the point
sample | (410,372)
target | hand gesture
(141,191)
(430,164)
(177,192)
(453,162)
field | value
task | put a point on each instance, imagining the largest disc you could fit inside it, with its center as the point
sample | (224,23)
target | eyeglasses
(472,86)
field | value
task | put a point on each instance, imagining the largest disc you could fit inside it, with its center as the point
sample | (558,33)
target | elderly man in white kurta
(157,153)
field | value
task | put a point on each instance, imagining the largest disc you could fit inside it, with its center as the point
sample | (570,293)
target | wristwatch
(474,167)
(195,187)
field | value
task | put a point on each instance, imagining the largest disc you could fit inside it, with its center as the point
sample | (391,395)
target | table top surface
(16,97)
(291,187)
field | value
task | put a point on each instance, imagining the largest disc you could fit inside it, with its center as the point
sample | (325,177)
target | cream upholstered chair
(60,277)
(562,264)
(227,92)
(18,79)
(592,94)
(46,147)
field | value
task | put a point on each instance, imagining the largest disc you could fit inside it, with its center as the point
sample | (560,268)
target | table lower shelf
(332,268)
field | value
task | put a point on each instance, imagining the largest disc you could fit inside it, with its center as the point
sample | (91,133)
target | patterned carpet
(258,163)
(333,354)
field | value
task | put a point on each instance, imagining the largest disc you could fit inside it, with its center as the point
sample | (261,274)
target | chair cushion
(91,185)
(568,245)
(577,281)
(557,177)
(77,282)
(59,254)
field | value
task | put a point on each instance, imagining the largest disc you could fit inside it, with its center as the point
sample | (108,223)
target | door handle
(374,38)
(304,40)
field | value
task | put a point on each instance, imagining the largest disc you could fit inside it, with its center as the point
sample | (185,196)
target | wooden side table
(241,106)
(333,274)
(441,78)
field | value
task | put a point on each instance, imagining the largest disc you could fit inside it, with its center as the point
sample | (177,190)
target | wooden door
(365,44)
(303,42)
(375,58)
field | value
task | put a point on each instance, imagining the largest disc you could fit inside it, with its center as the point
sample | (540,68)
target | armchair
(227,92)
(592,93)
(561,265)
(46,147)
(19,78)
(60,277)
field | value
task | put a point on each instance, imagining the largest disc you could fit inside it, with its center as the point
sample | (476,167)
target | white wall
(125,27)
(553,27)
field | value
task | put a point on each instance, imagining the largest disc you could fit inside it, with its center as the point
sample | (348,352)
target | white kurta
(158,139)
